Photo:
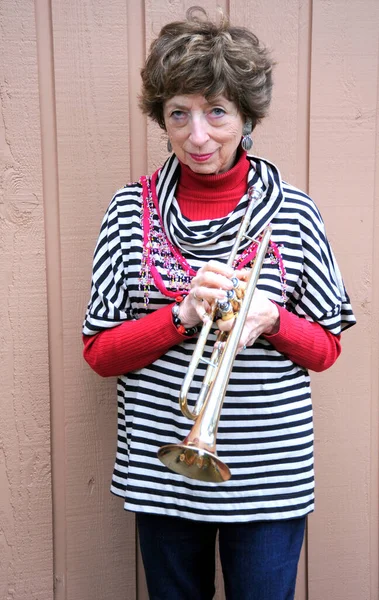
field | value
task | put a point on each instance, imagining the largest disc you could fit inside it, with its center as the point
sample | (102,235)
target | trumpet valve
(226,310)
(238,290)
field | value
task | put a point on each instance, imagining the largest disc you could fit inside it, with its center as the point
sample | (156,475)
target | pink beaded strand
(158,248)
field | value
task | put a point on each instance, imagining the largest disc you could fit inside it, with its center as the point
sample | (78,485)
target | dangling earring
(169,146)
(247,142)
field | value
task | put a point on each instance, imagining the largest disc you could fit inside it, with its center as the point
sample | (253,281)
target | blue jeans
(259,559)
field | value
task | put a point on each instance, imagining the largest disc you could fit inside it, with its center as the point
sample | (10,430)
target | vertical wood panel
(91,70)
(322,132)
(54,288)
(25,487)
(342,171)
(374,457)
(283,26)
(138,125)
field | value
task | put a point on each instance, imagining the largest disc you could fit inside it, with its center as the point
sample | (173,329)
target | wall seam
(310,21)
(308,162)
(136,45)
(374,550)
(137,121)
(304,91)
(50,179)
(304,146)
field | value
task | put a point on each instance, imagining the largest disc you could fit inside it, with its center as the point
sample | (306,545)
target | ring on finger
(197,298)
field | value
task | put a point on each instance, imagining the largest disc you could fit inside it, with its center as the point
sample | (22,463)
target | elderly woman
(160,266)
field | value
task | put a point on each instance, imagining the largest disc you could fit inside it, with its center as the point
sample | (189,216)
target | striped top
(265,433)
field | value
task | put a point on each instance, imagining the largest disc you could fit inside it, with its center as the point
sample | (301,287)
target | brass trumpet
(196,456)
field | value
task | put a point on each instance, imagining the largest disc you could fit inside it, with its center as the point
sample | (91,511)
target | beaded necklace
(157,249)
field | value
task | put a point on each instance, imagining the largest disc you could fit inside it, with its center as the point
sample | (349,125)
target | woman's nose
(199,131)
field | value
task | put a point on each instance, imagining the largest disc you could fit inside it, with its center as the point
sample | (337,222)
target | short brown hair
(198,56)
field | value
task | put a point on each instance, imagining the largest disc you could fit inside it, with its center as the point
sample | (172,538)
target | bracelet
(189,331)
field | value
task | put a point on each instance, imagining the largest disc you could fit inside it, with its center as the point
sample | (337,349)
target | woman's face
(204,134)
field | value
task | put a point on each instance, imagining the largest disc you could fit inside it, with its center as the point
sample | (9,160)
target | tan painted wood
(374,360)
(323,134)
(25,484)
(91,75)
(342,170)
(284,27)
(54,288)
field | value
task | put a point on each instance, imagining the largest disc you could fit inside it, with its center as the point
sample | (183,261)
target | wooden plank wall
(70,135)
(343,134)
(26,533)
(92,114)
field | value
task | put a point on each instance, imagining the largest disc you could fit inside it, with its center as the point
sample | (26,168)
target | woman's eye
(218,112)
(178,115)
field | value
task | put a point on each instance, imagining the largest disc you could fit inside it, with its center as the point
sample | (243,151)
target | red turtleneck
(135,344)
(213,196)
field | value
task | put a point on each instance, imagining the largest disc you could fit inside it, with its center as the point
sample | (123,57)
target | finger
(214,274)
(203,309)
(247,342)
(225,326)
(202,313)
(211,280)
(242,347)
(242,274)
(218,267)
(196,297)
(208,294)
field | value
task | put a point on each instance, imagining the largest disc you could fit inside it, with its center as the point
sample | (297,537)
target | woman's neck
(205,197)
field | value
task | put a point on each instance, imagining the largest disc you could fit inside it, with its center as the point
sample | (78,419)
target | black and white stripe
(265,433)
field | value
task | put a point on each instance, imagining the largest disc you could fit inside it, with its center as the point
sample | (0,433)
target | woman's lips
(201,157)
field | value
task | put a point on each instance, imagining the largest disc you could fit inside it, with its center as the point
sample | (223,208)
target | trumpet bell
(196,463)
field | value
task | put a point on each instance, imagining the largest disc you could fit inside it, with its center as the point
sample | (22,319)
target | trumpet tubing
(196,456)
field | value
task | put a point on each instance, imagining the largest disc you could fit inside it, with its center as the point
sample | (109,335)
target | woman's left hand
(263,317)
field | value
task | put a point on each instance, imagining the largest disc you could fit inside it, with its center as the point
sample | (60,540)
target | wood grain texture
(374,360)
(78,95)
(25,485)
(54,288)
(282,25)
(91,76)
(342,171)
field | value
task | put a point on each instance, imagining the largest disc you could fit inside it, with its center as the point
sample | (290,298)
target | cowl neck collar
(202,239)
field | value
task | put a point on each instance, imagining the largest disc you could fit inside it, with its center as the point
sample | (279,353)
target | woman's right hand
(210,283)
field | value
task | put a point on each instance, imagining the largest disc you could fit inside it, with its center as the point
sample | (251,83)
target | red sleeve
(306,343)
(136,344)
(131,345)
